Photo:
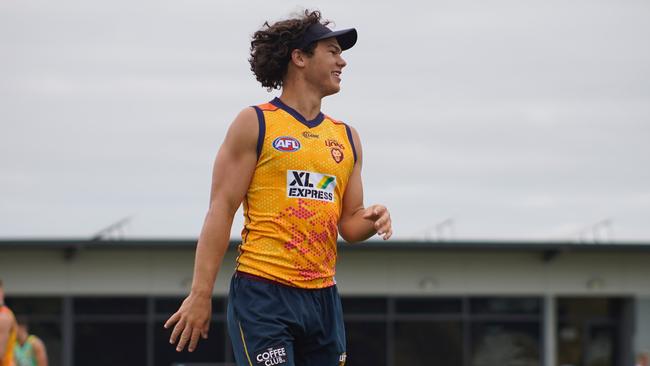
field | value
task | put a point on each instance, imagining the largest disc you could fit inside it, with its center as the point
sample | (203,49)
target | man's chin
(332,91)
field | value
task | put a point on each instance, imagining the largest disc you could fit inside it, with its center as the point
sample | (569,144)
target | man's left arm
(39,351)
(358,223)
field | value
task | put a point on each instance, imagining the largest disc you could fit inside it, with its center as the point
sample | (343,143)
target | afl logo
(286,144)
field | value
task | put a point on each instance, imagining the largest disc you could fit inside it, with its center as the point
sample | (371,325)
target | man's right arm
(232,173)
(6,322)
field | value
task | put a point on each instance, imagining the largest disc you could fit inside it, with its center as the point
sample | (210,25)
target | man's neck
(304,101)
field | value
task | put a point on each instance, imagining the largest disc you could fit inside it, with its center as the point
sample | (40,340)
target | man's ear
(298,58)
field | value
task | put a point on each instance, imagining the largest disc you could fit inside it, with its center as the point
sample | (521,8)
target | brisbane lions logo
(337,154)
(336,149)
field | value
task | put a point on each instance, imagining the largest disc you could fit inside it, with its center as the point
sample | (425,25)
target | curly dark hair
(272,45)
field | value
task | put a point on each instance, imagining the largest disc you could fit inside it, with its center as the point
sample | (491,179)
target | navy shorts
(273,324)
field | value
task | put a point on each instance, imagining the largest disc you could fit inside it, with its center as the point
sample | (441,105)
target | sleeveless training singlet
(8,358)
(25,355)
(294,200)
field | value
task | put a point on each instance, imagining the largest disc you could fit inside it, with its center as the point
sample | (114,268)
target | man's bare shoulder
(354,132)
(6,312)
(244,128)
(37,342)
(357,144)
(247,116)
(6,320)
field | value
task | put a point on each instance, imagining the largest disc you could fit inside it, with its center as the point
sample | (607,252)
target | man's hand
(380,217)
(192,322)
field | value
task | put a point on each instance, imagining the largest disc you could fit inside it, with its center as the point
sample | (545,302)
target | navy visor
(316,32)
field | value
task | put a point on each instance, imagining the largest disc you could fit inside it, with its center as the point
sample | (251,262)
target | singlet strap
(261,130)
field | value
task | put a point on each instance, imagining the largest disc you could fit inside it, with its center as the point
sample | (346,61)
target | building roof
(547,250)
(454,245)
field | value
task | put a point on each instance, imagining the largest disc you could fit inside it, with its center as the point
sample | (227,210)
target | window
(435,305)
(425,343)
(505,306)
(110,344)
(35,306)
(499,343)
(110,305)
(364,305)
(366,343)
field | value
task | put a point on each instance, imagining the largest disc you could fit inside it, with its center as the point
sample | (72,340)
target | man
(298,173)
(29,349)
(7,331)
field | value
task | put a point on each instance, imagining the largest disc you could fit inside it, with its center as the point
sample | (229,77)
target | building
(410,303)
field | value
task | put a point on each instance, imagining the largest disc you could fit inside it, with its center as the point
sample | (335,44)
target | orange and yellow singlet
(294,200)
(8,358)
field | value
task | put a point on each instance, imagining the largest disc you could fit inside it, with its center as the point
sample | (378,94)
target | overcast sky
(515,119)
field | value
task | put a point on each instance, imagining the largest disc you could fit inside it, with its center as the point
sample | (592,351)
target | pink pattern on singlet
(313,242)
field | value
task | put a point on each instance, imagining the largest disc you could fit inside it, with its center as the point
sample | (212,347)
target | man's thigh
(258,325)
(324,344)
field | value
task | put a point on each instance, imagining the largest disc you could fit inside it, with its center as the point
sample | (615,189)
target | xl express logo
(310,185)
(286,144)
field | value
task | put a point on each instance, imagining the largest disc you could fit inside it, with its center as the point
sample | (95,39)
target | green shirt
(24,354)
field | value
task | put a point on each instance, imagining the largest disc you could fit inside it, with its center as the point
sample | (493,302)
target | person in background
(29,349)
(8,330)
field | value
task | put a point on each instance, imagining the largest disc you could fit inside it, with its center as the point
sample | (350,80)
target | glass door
(588,332)
(600,344)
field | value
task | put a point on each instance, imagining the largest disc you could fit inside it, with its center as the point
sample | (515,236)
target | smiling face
(323,69)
